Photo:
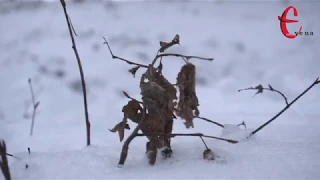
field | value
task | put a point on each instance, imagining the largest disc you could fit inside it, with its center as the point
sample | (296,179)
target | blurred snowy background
(243,37)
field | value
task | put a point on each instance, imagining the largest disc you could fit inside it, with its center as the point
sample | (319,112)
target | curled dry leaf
(134,70)
(188,101)
(166,45)
(259,88)
(120,129)
(130,111)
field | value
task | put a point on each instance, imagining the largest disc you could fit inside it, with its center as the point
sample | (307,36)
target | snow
(245,40)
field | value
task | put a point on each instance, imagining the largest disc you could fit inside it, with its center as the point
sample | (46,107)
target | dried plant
(83,82)
(155,114)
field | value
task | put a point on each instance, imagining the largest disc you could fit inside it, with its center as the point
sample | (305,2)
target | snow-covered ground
(248,47)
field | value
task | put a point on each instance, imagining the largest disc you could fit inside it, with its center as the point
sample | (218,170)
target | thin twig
(284,109)
(260,88)
(179,55)
(11,155)
(74,47)
(74,31)
(4,165)
(210,121)
(203,142)
(122,59)
(125,147)
(189,134)
(35,106)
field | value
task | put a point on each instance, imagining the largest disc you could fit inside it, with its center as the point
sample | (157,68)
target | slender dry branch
(122,59)
(11,155)
(179,55)
(4,165)
(83,83)
(284,109)
(125,147)
(210,121)
(35,106)
(189,134)
(260,89)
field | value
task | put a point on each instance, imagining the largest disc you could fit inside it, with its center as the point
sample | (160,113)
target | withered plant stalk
(83,83)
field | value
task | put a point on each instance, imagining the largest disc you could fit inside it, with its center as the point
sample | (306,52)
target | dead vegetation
(154,114)
(160,105)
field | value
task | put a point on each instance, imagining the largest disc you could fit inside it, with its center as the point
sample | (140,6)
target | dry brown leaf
(259,88)
(134,70)
(120,129)
(188,100)
(166,45)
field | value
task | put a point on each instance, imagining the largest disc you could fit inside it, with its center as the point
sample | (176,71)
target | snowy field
(243,37)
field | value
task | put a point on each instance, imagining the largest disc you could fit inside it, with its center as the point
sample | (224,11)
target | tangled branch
(260,90)
(83,83)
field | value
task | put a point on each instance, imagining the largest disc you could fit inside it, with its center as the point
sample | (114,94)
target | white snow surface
(243,37)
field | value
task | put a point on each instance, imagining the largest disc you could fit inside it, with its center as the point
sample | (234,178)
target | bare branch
(11,155)
(260,89)
(179,55)
(35,106)
(284,109)
(122,59)
(189,134)
(83,83)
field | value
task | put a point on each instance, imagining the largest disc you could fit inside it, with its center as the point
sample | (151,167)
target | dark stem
(74,47)
(11,155)
(284,109)
(4,165)
(204,142)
